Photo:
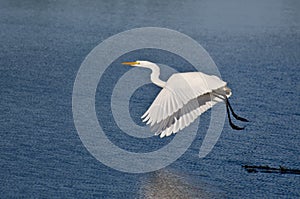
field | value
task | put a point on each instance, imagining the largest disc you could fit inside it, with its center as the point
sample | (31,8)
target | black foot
(234,114)
(230,109)
(233,126)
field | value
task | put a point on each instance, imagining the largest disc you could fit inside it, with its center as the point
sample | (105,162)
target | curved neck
(155,75)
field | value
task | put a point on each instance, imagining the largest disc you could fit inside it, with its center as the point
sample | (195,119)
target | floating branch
(268,169)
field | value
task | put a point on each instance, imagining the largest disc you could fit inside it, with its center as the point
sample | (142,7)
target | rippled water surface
(255,44)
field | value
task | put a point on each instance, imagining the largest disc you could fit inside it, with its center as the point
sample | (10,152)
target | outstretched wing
(181,101)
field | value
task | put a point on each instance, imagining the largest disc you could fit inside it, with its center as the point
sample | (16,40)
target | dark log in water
(268,169)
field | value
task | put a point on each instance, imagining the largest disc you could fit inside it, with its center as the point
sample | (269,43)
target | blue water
(255,44)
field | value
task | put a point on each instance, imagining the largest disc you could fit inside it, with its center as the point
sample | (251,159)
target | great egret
(184,97)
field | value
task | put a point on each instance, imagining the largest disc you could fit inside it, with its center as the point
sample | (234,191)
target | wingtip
(145,119)
(163,134)
(144,115)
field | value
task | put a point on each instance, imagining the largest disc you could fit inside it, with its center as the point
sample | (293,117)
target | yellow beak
(130,63)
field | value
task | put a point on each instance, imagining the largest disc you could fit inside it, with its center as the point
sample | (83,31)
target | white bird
(184,97)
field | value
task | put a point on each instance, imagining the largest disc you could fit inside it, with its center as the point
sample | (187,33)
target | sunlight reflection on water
(168,184)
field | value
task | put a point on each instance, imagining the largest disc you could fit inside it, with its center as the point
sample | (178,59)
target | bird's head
(138,63)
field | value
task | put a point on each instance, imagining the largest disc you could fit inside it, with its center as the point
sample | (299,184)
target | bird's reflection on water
(166,184)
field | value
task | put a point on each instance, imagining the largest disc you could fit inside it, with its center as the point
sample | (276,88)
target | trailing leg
(228,107)
(233,126)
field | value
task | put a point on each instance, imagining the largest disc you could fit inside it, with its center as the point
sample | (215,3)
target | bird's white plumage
(184,97)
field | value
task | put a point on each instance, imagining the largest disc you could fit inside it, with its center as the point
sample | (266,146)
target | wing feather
(181,101)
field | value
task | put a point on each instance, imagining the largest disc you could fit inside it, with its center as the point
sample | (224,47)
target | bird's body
(181,101)
(183,98)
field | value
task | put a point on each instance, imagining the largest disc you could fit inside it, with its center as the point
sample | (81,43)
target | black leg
(233,113)
(233,126)
(231,109)
(228,107)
